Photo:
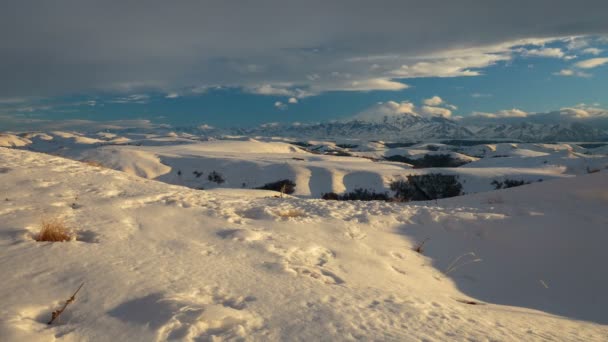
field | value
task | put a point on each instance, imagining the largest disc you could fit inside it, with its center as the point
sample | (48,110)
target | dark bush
(357,195)
(508,183)
(426,187)
(285,186)
(198,174)
(216,177)
(347,145)
(301,144)
(338,153)
(331,196)
(402,144)
(429,160)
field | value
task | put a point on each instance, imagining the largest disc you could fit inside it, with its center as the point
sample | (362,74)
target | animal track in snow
(310,262)
(199,315)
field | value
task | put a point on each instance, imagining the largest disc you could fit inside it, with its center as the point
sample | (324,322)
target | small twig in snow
(419,246)
(56,313)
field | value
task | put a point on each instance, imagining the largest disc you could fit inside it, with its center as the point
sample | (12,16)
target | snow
(184,159)
(167,262)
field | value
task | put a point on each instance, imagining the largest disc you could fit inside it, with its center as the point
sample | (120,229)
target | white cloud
(382,110)
(387,109)
(205,127)
(592,51)
(172,96)
(280,105)
(436,111)
(509,113)
(570,72)
(480,95)
(135,98)
(544,52)
(360,85)
(591,63)
(433,101)
(583,111)
(268,89)
(292,100)
(450,66)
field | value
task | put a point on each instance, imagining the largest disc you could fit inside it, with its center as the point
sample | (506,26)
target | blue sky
(267,64)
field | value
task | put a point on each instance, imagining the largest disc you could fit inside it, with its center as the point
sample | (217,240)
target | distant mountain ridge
(416,128)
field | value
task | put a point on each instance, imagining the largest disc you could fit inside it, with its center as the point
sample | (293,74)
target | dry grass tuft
(93,163)
(291,213)
(54,230)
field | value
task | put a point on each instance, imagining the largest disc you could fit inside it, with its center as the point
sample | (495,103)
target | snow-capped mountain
(404,127)
(415,127)
(541,132)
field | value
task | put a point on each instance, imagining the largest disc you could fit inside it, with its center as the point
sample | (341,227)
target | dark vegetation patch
(508,183)
(216,177)
(426,187)
(429,160)
(347,145)
(596,145)
(284,186)
(357,195)
(458,142)
(301,144)
(399,144)
(415,188)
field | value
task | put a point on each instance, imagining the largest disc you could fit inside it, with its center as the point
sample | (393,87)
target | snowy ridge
(164,262)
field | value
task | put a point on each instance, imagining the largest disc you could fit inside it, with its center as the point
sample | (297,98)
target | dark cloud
(56,47)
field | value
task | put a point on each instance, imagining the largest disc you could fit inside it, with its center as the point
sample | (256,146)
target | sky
(238,64)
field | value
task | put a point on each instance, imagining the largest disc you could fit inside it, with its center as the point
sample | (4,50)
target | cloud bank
(273,47)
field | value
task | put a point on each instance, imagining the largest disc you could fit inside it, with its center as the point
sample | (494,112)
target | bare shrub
(93,163)
(54,230)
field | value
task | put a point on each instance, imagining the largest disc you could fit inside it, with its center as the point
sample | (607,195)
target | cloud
(570,72)
(582,113)
(268,89)
(387,109)
(292,100)
(135,98)
(436,111)
(69,47)
(592,51)
(433,101)
(172,96)
(591,63)
(382,110)
(466,65)
(280,105)
(480,95)
(509,113)
(544,52)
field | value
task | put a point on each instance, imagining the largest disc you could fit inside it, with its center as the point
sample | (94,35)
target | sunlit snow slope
(164,262)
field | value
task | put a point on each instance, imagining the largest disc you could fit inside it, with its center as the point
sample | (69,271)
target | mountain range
(417,128)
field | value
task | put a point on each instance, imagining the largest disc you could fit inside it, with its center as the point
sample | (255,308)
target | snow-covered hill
(315,166)
(164,262)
